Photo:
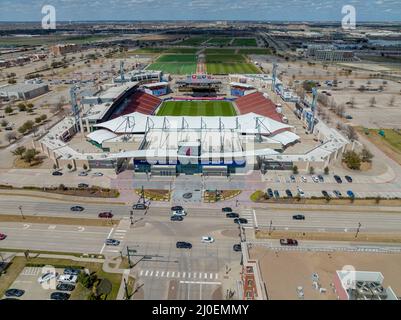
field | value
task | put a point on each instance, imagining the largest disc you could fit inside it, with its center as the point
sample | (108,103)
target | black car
(276,194)
(83,186)
(65,287)
(60,296)
(14,293)
(72,271)
(77,208)
(57,173)
(183,245)
(298,217)
(270,193)
(338,179)
(237,247)
(112,242)
(325,194)
(240,221)
(320,177)
(288,193)
(139,206)
(348,178)
(176,218)
(227,209)
(177,208)
(232,215)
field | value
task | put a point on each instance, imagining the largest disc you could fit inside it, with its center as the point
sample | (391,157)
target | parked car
(270,193)
(65,287)
(338,179)
(237,247)
(292,178)
(304,179)
(47,277)
(298,217)
(139,206)
(207,239)
(183,245)
(348,117)
(77,208)
(301,193)
(14,293)
(72,271)
(350,194)
(60,295)
(320,177)
(108,215)
(288,193)
(348,178)
(288,242)
(98,174)
(276,194)
(82,174)
(2,236)
(177,208)
(68,278)
(315,179)
(226,209)
(325,194)
(112,242)
(176,218)
(337,193)
(179,213)
(83,185)
(232,215)
(240,221)
(57,173)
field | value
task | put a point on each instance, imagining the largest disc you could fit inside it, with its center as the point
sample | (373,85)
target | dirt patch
(21,164)
(173,290)
(58,220)
(330,236)
(230,233)
(155,194)
(217,294)
(220,195)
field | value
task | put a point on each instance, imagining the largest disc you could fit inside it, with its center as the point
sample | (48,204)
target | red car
(2,236)
(105,215)
(288,242)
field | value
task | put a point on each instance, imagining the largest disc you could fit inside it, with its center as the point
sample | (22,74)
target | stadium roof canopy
(250,123)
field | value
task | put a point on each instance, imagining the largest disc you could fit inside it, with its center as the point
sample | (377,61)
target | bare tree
(391,102)
(372,102)
(11,136)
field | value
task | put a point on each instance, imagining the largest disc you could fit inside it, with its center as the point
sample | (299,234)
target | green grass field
(227,68)
(196,108)
(245,42)
(182,50)
(194,41)
(225,58)
(219,51)
(255,51)
(180,58)
(217,41)
(174,68)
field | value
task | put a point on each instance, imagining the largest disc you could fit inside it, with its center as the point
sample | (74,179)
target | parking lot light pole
(270,227)
(22,214)
(358,229)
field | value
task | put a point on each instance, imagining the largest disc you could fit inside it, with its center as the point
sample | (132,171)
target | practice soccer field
(227,68)
(174,67)
(177,58)
(197,108)
(245,42)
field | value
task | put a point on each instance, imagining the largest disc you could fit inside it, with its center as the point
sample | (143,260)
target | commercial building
(62,49)
(23,91)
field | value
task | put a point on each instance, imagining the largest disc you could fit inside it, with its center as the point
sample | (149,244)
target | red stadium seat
(257,103)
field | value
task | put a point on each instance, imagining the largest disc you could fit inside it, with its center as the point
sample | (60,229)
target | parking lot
(27,280)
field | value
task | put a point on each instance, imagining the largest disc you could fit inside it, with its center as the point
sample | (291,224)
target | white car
(98,174)
(301,193)
(178,213)
(68,278)
(82,174)
(304,179)
(47,277)
(207,239)
(315,179)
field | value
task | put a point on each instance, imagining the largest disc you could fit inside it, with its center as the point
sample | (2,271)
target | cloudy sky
(291,10)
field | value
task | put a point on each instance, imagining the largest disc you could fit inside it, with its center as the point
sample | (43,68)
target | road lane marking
(162,275)
(151,273)
(52,227)
(183,274)
(111,231)
(205,275)
(101,250)
(217,276)
(146,273)
(141,273)
(194,275)
(168,274)
(254,219)
(172,275)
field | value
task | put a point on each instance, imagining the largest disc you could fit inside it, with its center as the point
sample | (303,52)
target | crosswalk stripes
(31,271)
(248,215)
(177,274)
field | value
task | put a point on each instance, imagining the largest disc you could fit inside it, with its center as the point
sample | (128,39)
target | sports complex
(208,112)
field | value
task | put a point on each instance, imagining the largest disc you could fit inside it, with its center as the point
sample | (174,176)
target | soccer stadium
(196,124)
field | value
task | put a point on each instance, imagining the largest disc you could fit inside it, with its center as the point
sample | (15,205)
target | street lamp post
(270,227)
(22,214)
(358,229)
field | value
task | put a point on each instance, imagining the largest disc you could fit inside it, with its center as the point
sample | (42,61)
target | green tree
(326,170)
(54,167)
(30,155)
(311,170)
(43,117)
(38,120)
(69,166)
(8,109)
(4,123)
(85,167)
(366,155)
(28,125)
(295,170)
(19,151)
(352,160)
(22,129)
(21,107)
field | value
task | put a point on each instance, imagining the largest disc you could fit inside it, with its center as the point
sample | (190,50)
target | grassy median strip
(330,236)
(59,220)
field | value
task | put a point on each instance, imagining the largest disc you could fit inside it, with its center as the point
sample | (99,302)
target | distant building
(328,53)
(23,91)
(361,285)
(62,49)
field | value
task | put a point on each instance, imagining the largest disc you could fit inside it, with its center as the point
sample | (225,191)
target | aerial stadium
(202,126)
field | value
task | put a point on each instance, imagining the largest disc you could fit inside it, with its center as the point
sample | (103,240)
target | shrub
(352,160)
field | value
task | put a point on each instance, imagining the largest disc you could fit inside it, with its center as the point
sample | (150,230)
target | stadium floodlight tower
(274,76)
(313,108)
(75,107)
(122,75)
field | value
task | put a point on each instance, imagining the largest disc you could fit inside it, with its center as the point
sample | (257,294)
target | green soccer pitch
(197,108)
